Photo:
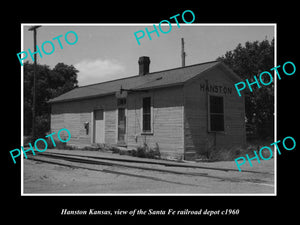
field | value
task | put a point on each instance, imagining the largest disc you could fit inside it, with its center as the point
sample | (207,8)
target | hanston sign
(214,88)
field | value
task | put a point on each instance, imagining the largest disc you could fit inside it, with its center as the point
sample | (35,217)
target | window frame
(121,103)
(209,113)
(145,132)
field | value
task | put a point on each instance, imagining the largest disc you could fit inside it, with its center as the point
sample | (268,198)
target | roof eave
(53,101)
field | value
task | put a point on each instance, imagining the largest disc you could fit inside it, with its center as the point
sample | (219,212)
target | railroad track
(118,166)
(156,162)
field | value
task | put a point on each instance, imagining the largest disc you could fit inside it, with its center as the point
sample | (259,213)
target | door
(121,126)
(99,126)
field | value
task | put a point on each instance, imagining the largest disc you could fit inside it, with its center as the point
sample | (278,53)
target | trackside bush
(146,152)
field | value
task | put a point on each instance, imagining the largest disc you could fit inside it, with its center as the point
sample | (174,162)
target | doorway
(121,102)
(99,126)
(121,126)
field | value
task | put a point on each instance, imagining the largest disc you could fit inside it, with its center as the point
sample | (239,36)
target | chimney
(144,62)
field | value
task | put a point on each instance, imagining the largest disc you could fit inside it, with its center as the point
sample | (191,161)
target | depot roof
(171,77)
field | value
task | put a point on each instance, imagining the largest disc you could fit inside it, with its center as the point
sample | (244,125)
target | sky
(110,51)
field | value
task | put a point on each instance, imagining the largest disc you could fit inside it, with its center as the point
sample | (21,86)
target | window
(216,113)
(147,114)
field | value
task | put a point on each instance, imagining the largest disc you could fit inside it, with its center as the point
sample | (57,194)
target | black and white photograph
(160,114)
(156,115)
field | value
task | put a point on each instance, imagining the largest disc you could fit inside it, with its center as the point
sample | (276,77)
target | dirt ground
(49,178)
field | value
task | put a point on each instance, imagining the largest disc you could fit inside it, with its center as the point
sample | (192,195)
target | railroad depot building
(186,111)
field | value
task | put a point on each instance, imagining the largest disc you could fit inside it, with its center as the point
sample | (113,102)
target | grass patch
(231,153)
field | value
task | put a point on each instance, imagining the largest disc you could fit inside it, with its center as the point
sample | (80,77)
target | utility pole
(183,54)
(34,28)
